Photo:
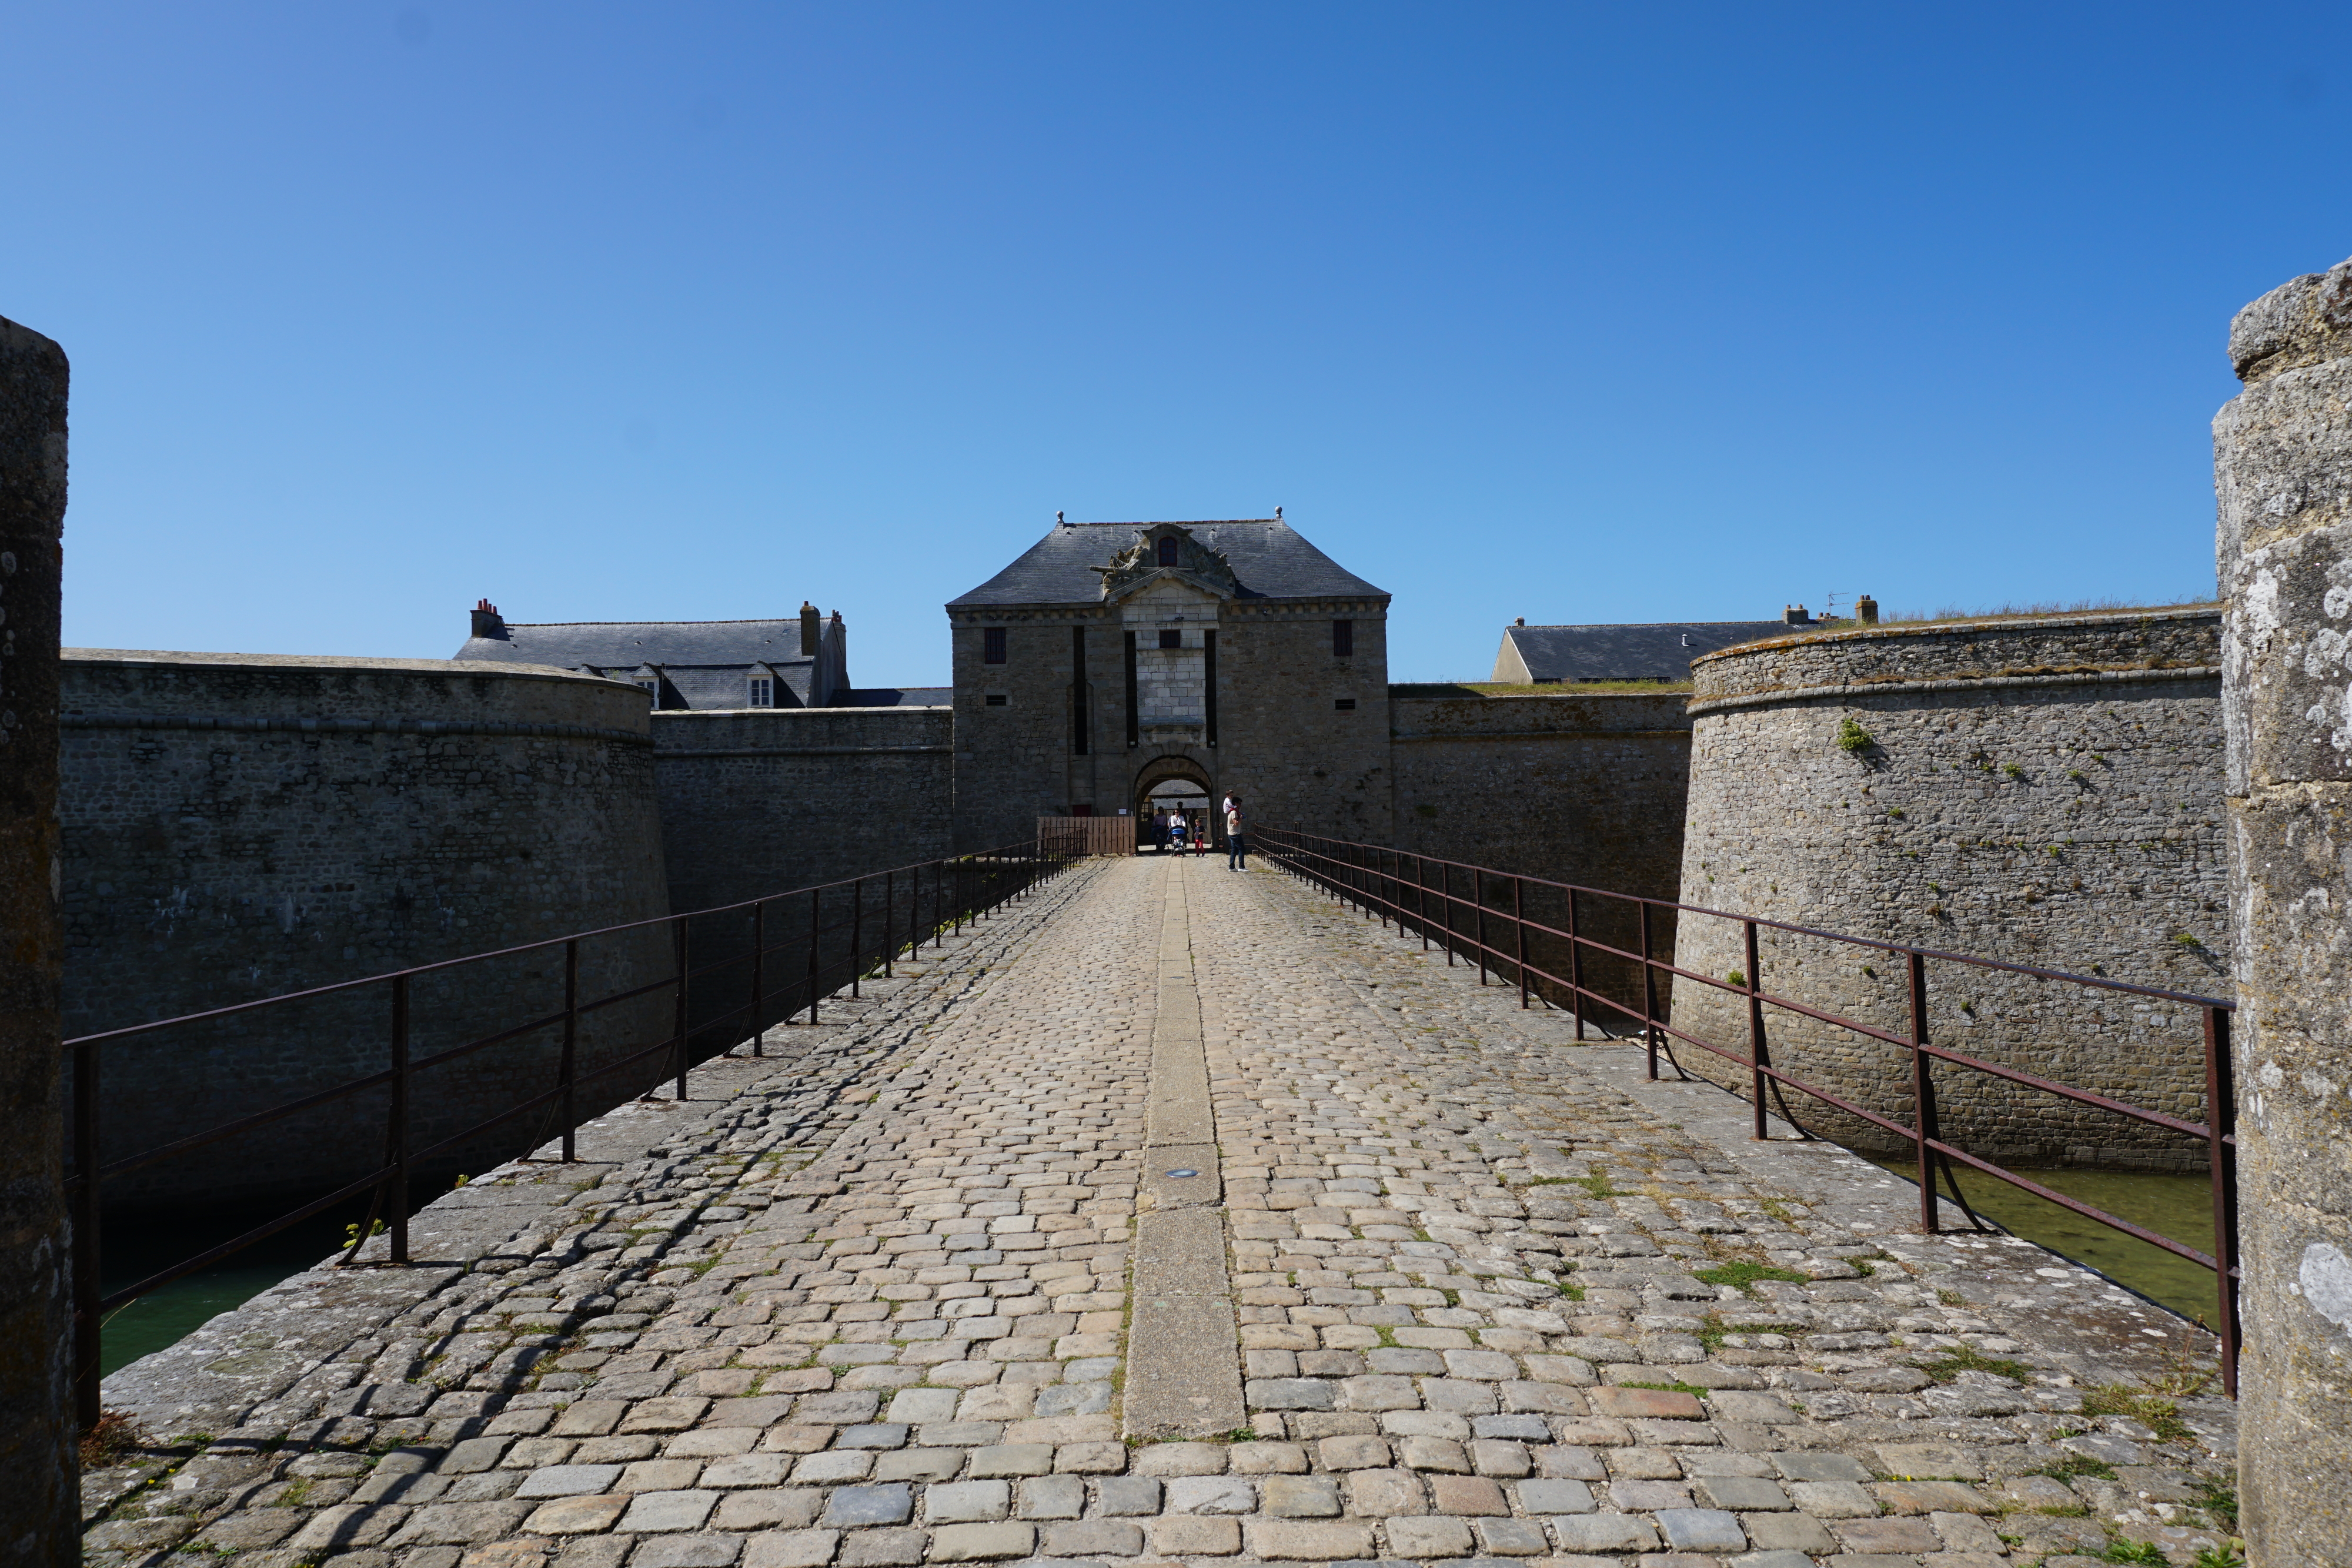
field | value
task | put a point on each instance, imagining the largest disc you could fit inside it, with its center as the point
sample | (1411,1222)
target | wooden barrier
(1087,835)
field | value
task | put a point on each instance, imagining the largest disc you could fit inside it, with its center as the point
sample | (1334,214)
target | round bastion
(2041,791)
(240,826)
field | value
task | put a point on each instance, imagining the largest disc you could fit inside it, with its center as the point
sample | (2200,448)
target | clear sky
(1574,313)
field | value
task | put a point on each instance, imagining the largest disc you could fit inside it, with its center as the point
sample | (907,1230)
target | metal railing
(1447,903)
(786,967)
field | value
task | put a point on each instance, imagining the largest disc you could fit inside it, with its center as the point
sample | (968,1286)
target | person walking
(1236,851)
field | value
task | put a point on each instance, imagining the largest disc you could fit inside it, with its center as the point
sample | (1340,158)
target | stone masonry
(242,826)
(875,1302)
(2281,451)
(36,1426)
(2043,791)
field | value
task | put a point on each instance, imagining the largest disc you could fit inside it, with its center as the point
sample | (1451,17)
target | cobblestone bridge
(935,1281)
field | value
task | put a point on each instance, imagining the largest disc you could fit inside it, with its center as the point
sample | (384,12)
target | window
(997,699)
(992,645)
(652,689)
(1168,551)
(1343,638)
(1082,728)
(1343,704)
(1172,639)
(762,692)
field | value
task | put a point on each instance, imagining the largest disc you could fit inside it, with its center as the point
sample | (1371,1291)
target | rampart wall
(1584,789)
(241,826)
(756,801)
(2046,792)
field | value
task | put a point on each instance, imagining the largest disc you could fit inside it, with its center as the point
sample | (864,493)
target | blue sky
(1576,313)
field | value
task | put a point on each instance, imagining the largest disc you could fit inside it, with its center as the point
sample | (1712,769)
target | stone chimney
(1796,615)
(812,628)
(488,621)
(1520,621)
(1865,610)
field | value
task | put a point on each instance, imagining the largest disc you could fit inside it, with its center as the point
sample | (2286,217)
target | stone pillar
(39,1502)
(2282,471)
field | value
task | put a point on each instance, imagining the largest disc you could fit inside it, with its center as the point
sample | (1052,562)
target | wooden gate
(1087,835)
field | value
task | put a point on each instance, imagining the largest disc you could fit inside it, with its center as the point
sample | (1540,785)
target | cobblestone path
(1492,1304)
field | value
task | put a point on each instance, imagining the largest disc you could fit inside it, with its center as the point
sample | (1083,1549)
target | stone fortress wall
(1582,788)
(2046,791)
(756,801)
(243,826)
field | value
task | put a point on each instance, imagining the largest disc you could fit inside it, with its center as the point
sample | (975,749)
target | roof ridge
(751,621)
(1579,625)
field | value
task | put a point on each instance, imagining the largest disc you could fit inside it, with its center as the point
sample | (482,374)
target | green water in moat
(137,1246)
(2179,1207)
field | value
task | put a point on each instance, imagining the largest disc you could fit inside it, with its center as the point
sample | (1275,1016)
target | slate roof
(615,644)
(704,664)
(1270,560)
(1661,651)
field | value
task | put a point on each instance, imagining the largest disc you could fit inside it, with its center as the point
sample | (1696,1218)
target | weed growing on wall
(1850,736)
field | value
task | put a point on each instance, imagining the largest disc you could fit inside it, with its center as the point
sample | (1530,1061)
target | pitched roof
(1270,560)
(617,644)
(1658,651)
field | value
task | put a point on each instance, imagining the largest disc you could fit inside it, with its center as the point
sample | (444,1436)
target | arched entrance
(1178,783)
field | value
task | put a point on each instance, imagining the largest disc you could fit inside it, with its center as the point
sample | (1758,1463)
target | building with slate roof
(696,664)
(1659,651)
(1111,658)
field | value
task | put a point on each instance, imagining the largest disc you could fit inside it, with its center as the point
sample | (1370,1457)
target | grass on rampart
(2031,611)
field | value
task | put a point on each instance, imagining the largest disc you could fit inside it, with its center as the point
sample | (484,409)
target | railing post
(890,913)
(759,975)
(1757,1060)
(1922,1091)
(856,933)
(1519,921)
(816,908)
(683,1013)
(2221,1123)
(87,1276)
(1649,995)
(1421,900)
(1446,902)
(1576,971)
(569,1075)
(1478,918)
(398,1198)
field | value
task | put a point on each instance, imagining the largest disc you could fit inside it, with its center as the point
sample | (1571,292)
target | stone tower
(2283,471)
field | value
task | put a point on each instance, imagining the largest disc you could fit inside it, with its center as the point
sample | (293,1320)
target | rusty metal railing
(1447,903)
(873,919)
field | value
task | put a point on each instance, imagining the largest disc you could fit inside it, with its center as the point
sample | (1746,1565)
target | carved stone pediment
(1194,562)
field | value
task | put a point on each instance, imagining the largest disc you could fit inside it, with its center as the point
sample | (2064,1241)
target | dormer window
(761,692)
(652,688)
(1167,550)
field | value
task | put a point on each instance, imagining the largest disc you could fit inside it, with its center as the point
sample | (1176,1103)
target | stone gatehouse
(1112,657)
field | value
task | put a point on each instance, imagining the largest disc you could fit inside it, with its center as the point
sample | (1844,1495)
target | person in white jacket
(1236,852)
